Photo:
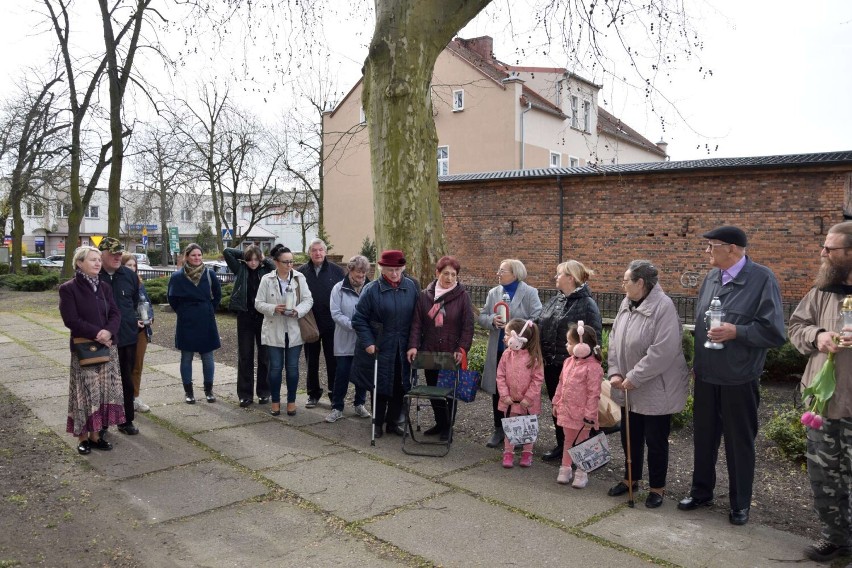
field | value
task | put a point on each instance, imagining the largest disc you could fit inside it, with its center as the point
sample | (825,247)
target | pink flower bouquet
(818,393)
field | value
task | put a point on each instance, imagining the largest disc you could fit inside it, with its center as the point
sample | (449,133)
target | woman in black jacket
(573,302)
(248,267)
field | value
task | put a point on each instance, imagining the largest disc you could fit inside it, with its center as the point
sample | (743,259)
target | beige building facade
(489,116)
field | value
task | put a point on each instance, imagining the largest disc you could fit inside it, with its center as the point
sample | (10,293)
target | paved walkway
(237,487)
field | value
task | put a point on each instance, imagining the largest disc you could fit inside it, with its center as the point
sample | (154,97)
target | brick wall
(611,220)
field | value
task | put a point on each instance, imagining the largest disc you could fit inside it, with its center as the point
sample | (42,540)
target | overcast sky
(781,83)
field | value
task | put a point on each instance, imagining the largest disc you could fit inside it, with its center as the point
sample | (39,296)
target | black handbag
(90,352)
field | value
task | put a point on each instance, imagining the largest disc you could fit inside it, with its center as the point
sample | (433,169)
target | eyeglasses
(501,271)
(625,283)
(712,245)
(286,261)
(829,249)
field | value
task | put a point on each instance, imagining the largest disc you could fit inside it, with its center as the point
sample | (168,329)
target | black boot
(190,396)
(496,438)
(208,393)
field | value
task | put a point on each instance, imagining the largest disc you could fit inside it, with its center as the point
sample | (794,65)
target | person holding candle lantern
(727,380)
(283,297)
(523,303)
(815,332)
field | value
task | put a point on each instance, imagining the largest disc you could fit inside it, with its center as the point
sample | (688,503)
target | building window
(573,162)
(555,159)
(35,210)
(186,215)
(443,160)
(458,100)
(587,116)
(575,112)
(121,212)
(362,117)
(91,212)
(208,216)
(246,212)
(63,210)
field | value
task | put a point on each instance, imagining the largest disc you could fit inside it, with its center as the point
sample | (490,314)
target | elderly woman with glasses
(443,322)
(572,303)
(646,358)
(524,304)
(283,297)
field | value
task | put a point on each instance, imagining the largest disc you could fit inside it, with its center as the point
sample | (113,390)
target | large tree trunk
(408,38)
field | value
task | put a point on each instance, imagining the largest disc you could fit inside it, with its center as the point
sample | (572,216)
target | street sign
(145,241)
(227,235)
(96,240)
(144,231)
(174,241)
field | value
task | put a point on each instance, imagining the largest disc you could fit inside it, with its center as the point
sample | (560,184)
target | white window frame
(573,162)
(207,216)
(458,100)
(587,115)
(186,215)
(575,111)
(362,116)
(63,210)
(443,162)
(558,162)
(91,212)
(35,209)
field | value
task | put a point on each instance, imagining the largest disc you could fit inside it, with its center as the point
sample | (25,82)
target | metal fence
(608,302)
(149,274)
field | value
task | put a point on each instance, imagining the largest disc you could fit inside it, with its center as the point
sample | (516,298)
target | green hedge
(158,291)
(787,431)
(784,363)
(30,283)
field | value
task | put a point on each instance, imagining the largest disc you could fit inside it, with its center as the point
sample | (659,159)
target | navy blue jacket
(383,318)
(125,290)
(195,307)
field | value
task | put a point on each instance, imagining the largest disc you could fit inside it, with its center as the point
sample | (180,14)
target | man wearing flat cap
(727,379)
(125,290)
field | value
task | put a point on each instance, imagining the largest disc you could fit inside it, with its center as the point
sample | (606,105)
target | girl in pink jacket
(520,374)
(575,404)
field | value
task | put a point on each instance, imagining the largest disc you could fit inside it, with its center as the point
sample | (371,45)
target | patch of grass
(9,563)
(17,499)
(684,417)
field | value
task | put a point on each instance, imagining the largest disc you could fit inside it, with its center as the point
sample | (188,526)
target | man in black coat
(125,289)
(321,276)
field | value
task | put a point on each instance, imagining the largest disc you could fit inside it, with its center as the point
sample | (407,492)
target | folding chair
(438,361)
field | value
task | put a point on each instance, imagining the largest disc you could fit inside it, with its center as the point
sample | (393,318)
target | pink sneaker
(526,459)
(508,460)
(565,475)
(581,479)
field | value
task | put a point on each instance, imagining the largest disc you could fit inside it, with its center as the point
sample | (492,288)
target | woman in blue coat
(382,321)
(194,293)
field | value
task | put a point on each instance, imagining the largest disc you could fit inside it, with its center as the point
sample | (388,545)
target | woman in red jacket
(443,321)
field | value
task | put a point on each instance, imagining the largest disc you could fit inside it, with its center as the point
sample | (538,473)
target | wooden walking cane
(629,459)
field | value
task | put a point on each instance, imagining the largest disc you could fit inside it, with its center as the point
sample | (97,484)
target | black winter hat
(728,234)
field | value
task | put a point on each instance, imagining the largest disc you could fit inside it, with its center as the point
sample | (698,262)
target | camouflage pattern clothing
(830,470)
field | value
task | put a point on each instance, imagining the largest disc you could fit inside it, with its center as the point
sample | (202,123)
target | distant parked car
(141,258)
(217,266)
(60,258)
(45,263)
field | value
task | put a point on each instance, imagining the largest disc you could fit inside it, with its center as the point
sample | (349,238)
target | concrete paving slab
(35,334)
(355,433)
(345,485)
(267,445)
(61,356)
(459,530)
(700,538)
(267,535)
(189,490)
(153,449)
(535,489)
(203,416)
(223,374)
(5,339)
(39,388)
(52,411)
(47,371)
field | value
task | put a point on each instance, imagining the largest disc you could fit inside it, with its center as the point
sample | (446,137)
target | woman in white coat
(524,304)
(280,330)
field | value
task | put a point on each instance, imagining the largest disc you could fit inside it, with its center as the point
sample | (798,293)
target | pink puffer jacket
(515,379)
(578,392)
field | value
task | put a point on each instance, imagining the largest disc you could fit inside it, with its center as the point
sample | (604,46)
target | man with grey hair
(727,388)
(321,276)
(814,332)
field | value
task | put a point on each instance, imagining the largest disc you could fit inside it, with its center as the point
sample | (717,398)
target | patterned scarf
(92,280)
(437,312)
(194,272)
